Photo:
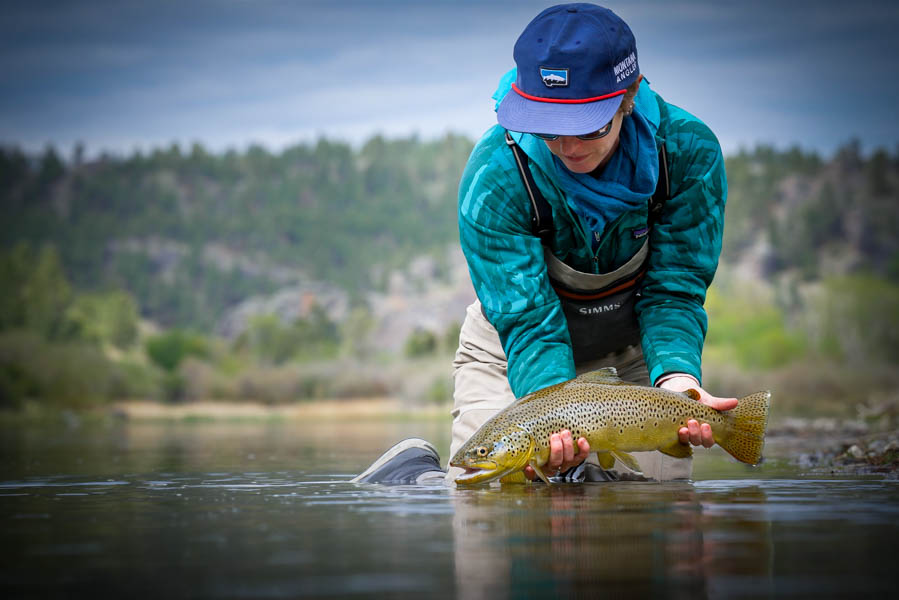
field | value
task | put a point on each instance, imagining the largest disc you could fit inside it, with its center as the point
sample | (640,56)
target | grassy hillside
(191,234)
(116,272)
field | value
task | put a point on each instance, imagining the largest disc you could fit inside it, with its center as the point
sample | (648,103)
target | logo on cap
(554,77)
(626,68)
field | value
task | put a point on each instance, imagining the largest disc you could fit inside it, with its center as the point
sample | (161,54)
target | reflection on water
(633,538)
(266,510)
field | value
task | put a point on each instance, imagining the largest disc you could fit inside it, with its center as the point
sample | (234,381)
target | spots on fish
(610,416)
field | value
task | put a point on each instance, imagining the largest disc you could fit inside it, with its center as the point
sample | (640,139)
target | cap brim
(517,113)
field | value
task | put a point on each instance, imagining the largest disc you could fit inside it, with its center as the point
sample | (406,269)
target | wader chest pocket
(600,324)
(599,308)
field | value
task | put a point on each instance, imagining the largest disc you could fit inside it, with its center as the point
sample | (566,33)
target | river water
(237,510)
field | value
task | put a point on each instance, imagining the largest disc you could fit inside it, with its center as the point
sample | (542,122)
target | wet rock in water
(823,425)
(876,447)
(877,456)
(868,444)
(808,460)
(855,452)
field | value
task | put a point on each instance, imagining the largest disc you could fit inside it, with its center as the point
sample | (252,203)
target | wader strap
(542,216)
(663,186)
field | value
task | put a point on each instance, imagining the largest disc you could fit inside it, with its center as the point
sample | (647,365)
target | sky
(125,75)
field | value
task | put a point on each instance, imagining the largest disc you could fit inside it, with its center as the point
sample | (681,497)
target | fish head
(492,454)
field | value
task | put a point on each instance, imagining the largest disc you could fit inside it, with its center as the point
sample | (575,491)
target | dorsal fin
(607,375)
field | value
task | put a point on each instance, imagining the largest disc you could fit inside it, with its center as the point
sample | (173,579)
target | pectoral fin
(606,460)
(514,477)
(678,450)
(539,472)
(627,460)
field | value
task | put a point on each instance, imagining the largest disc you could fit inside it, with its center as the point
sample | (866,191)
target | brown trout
(616,418)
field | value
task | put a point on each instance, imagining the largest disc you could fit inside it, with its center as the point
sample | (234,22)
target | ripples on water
(266,530)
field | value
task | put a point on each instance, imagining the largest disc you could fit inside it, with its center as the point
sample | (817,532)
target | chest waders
(599,308)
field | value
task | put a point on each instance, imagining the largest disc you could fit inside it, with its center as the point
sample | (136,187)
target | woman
(591,219)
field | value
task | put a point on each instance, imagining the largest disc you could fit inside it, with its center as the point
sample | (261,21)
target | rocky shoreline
(861,446)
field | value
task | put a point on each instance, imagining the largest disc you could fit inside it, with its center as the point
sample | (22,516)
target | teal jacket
(508,270)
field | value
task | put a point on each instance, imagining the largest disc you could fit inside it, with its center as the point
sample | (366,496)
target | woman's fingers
(717,403)
(583,450)
(696,434)
(564,453)
(567,447)
(555,453)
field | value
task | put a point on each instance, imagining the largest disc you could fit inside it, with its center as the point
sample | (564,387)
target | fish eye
(481,451)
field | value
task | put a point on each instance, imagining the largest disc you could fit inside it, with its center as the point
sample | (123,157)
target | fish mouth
(477,471)
(489,470)
(474,475)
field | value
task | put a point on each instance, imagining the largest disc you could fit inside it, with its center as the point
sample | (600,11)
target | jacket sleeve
(508,273)
(686,243)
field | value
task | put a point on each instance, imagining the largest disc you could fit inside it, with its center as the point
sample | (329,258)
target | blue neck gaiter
(626,182)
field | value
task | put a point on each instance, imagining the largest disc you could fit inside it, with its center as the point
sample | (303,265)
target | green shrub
(35,290)
(168,349)
(439,392)
(751,329)
(420,343)
(268,339)
(132,379)
(63,374)
(858,319)
(102,318)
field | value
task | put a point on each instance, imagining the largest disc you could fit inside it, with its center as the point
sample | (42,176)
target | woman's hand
(696,433)
(562,454)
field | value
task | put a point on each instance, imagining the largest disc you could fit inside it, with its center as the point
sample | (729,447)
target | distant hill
(793,212)
(193,234)
(204,240)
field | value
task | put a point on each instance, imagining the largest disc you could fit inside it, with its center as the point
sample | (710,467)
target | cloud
(123,74)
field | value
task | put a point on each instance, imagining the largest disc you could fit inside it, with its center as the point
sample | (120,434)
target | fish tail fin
(744,435)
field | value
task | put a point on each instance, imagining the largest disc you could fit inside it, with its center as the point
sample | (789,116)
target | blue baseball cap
(574,63)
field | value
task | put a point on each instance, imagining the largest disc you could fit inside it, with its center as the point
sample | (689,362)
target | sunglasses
(599,133)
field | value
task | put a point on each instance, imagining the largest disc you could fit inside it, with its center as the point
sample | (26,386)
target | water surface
(266,510)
